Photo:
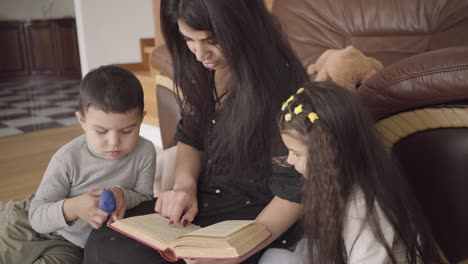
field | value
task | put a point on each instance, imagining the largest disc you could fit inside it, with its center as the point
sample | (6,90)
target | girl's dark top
(223,196)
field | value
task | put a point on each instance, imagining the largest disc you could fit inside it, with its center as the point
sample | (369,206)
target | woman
(233,68)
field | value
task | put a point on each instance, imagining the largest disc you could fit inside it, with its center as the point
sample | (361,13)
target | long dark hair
(345,154)
(257,54)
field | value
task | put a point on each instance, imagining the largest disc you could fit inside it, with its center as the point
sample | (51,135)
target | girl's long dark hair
(256,53)
(345,153)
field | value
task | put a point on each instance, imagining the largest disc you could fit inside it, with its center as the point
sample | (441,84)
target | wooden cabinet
(13,54)
(39,48)
(68,56)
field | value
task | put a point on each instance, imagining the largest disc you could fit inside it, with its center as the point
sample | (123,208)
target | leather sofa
(419,100)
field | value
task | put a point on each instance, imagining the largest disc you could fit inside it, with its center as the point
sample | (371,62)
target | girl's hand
(211,261)
(120,204)
(178,205)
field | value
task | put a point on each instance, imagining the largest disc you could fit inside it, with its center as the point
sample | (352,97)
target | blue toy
(107,201)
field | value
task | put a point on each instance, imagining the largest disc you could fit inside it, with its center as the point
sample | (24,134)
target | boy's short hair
(111,89)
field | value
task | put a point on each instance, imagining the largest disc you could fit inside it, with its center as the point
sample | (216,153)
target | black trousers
(106,246)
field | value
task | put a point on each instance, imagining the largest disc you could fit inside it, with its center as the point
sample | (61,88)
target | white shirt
(361,244)
(367,249)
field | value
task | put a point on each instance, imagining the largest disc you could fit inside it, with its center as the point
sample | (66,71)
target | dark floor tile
(40,126)
(72,94)
(4,93)
(61,116)
(21,89)
(71,85)
(16,101)
(14,116)
(65,98)
(32,108)
(9,84)
(45,92)
(38,95)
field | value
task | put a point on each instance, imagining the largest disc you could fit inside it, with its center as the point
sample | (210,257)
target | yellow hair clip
(312,117)
(298,109)
(288,117)
(300,90)
(285,104)
(290,99)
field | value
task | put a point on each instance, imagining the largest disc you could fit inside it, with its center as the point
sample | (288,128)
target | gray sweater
(74,170)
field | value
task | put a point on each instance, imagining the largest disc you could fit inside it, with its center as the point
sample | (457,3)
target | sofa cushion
(430,78)
(386,30)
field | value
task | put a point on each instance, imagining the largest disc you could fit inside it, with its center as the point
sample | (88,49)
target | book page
(222,229)
(153,225)
(233,239)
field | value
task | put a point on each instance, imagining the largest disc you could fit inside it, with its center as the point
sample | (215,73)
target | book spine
(166,257)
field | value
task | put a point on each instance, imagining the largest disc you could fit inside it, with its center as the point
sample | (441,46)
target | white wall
(35,9)
(109,31)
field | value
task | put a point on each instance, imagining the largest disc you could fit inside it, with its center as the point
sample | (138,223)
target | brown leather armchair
(419,100)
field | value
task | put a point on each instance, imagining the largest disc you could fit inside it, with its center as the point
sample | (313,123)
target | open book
(225,240)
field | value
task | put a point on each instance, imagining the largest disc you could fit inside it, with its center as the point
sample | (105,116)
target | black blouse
(224,196)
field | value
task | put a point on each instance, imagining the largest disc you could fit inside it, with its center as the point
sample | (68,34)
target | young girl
(358,207)
(234,68)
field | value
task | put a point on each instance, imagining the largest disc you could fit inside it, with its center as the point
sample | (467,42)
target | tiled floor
(30,105)
(27,106)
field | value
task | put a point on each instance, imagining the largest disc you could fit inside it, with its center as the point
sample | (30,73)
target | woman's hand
(211,261)
(181,204)
(178,205)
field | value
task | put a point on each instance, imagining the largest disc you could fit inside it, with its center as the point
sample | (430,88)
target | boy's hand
(178,205)
(85,206)
(121,205)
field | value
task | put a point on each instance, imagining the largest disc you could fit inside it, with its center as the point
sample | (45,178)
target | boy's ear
(142,116)
(81,119)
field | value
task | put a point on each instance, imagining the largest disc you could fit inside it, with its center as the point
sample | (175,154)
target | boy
(110,154)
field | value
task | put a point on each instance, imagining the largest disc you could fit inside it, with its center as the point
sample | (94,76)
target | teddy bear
(347,67)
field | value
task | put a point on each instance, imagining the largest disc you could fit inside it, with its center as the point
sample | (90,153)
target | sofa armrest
(168,110)
(430,78)
(161,61)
